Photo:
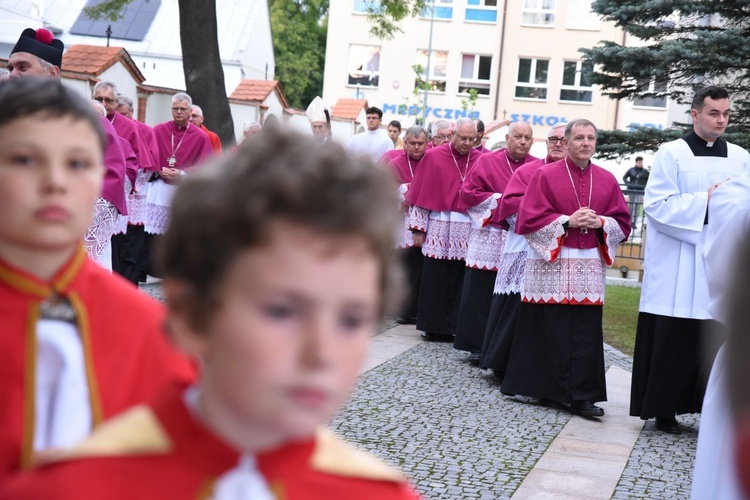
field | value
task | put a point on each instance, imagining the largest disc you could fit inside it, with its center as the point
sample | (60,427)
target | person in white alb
(668,376)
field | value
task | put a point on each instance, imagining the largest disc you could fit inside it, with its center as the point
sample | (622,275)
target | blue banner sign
(441,113)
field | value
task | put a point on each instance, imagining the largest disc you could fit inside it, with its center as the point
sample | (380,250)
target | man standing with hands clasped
(573,216)
(669,377)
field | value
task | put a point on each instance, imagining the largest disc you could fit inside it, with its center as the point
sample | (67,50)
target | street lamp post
(427,71)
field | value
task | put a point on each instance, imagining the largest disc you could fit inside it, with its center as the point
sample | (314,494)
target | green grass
(621,317)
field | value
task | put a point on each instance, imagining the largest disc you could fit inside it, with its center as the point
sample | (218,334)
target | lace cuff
(613,236)
(548,241)
(480,214)
(402,190)
(418,218)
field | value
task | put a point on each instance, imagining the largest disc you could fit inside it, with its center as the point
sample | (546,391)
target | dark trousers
(439,295)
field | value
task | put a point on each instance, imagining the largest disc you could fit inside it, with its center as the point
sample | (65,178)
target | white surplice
(729,213)
(675,203)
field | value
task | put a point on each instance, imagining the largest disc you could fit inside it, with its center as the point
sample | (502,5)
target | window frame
(475,82)
(479,7)
(576,87)
(363,74)
(552,12)
(441,7)
(652,87)
(433,78)
(532,77)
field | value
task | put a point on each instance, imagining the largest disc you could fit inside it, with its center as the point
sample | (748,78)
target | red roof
(258,91)
(348,109)
(94,60)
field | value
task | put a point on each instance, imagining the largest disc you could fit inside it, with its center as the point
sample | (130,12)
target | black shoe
(500,375)
(401,320)
(474,357)
(437,337)
(586,409)
(668,425)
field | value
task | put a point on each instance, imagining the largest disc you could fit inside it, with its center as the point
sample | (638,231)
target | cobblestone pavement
(446,425)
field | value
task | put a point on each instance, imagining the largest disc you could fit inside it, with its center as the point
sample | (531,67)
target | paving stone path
(446,425)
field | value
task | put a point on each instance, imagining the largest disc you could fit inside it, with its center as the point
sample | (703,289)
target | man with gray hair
(134,253)
(181,145)
(480,197)
(404,165)
(441,131)
(441,227)
(196,118)
(573,216)
(105,92)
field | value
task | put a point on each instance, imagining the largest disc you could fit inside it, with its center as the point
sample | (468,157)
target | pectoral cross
(171,161)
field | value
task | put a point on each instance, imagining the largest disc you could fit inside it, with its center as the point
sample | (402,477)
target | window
(538,13)
(136,20)
(364,65)
(581,17)
(364,6)
(475,74)
(532,78)
(651,86)
(576,81)
(482,11)
(443,10)
(438,70)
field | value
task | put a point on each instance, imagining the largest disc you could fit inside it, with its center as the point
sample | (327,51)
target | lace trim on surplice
(480,214)
(419,218)
(548,240)
(613,236)
(157,218)
(510,273)
(447,239)
(575,281)
(404,236)
(485,248)
(100,232)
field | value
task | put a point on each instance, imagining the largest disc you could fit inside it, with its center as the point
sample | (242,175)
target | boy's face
(50,177)
(283,351)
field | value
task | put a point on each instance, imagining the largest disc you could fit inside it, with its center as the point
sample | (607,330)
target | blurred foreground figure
(279,309)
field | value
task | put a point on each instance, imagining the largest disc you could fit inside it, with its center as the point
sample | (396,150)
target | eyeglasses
(443,137)
(108,100)
(182,110)
(555,140)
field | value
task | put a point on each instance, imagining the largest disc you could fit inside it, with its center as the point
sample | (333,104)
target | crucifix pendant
(171,161)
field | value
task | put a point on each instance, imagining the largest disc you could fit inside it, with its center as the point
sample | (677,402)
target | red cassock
(215,140)
(437,183)
(514,192)
(126,353)
(161,452)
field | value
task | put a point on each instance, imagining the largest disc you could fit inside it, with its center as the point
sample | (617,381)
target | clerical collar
(701,147)
(511,159)
(577,165)
(179,127)
(453,148)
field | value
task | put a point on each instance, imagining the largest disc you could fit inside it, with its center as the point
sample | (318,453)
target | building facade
(494,60)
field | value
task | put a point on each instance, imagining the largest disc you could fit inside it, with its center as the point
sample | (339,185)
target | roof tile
(254,90)
(348,109)
(90,59)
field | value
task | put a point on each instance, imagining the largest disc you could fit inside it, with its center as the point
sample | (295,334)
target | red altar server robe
(161,451)
(126,353)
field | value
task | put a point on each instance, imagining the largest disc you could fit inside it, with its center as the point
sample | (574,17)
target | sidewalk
(424,408)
